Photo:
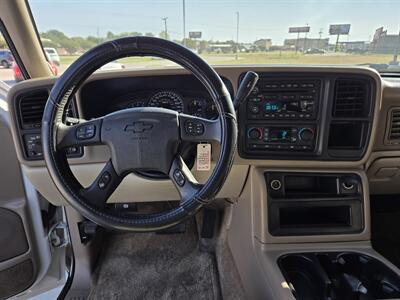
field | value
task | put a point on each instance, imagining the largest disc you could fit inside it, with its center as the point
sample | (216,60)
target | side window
(10,73)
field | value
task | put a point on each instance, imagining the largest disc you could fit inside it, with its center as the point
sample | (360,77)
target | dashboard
(327,118)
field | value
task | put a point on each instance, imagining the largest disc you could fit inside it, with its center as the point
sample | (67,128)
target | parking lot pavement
(6,75)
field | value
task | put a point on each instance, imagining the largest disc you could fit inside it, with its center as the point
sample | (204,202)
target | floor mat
(155,266)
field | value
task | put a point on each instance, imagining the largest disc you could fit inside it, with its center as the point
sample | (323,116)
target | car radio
(289,99)
(265,138)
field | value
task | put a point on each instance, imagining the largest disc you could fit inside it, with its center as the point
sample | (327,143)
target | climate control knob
(306,134)
(254,133)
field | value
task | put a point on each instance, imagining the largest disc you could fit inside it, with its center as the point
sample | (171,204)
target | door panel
(24,248)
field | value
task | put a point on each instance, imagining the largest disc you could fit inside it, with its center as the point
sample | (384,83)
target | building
(387,44)
(384,43)
(305,43)
(263,44)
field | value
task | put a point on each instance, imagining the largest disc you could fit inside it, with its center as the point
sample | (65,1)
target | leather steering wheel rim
(196,195)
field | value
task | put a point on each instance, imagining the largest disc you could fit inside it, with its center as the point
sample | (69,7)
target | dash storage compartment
(314,203)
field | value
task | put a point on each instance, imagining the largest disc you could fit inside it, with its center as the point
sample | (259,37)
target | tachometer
(167,99)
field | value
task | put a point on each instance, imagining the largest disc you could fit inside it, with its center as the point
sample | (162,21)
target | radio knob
(306,134)
(254,109)
(254,133)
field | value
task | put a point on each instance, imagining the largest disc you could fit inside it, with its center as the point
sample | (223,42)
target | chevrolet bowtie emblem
(138,127)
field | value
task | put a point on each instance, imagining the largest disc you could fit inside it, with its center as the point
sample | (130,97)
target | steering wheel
(138,138)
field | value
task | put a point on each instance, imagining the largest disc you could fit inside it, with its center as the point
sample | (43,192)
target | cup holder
(339,275)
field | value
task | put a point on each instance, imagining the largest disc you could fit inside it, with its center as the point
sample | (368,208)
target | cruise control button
(194,128)
(86,132)
(104,180)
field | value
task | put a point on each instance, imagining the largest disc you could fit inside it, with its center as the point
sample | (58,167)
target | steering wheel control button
(86,132)
(275,184)
(194,128)
(104,180)
(179,177)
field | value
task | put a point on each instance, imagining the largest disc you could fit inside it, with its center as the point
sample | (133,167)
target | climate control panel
(271,138)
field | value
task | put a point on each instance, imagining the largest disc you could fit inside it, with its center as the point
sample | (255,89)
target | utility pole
(320,37)
(237,35)
(305,41)
(98,35)
(184,22)
(165,27)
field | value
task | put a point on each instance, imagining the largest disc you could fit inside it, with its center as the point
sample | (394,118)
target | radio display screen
(280,106)
(273,106)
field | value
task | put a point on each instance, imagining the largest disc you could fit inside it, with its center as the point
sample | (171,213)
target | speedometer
(167,99)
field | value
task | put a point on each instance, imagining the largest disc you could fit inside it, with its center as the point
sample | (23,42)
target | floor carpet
(155,266)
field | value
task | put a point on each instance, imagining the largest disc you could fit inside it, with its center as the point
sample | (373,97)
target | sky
(217,19)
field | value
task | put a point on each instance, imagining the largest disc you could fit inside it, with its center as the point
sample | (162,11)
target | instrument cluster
(193,103)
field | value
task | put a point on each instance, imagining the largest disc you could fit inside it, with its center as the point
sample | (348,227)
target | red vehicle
(18,74)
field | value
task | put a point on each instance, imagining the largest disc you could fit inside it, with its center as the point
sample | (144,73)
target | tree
(149,34)
(94,39)
(190,43)
(70,45)
(83,43)
(49,43)
(3,43)
(163,35)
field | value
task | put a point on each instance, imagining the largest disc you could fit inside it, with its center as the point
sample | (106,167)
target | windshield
(324,32)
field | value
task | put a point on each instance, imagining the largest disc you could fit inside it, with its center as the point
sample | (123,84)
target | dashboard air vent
(394,133)
(351,99)
(32,107)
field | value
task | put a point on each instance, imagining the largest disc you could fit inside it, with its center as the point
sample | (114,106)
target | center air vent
(351,99)
(32,107)
(394,133)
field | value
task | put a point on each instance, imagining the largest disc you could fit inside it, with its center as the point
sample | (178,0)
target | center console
(338,275)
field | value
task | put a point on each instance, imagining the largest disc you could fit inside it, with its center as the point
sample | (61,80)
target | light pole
(237,35)
(305,41)
(184,22)
(165,27)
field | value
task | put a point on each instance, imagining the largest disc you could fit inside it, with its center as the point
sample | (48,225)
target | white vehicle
(53,55)
(114,65)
